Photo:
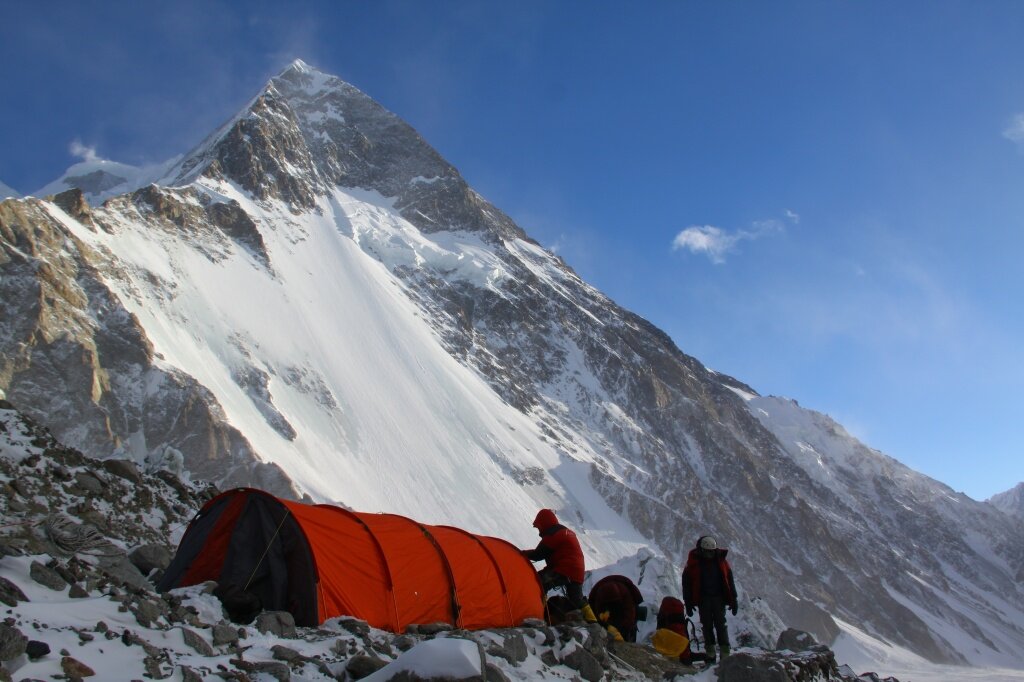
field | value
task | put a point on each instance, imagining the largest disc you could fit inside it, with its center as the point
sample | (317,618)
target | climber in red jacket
(708,584)
(561,551)
(616,600)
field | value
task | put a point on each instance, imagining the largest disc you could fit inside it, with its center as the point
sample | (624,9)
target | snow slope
(850,471)
(363,409)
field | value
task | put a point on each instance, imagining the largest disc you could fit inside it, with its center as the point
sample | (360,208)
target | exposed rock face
(679,450)
(77,359)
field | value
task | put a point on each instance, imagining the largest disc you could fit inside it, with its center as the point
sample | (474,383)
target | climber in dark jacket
(708,584)
(564,567)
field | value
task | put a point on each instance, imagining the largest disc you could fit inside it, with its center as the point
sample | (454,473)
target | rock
(356,627)
(647,661)
(494,674)
(47,577)
(128,638)
(149,557)
(584,663)
(224,634)
(190,675)
(403,642)
(743,667)
(75,669)
(280,623)
(21,487)
(88,482)
(361,665)
(147,612)
(12,643)
(283,653)
(153,669)
(512,649)
(10,594)
(122,570)
(36,649)
(434,628)
(77,592)
(123,468)
(795,640)
(279,671)
(196,641)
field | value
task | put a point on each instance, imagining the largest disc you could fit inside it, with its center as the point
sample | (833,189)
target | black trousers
(573,590)
(712,620)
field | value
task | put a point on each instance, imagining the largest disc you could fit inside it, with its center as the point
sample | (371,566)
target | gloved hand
(733,609)
(689,611)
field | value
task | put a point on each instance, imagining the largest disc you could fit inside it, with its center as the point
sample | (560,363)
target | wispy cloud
(793,217)
(715,243)
(1015,131)
(84,152)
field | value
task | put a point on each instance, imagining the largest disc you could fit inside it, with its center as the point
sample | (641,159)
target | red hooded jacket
(558,547)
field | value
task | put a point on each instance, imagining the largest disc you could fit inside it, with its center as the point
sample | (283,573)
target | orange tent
(322,561)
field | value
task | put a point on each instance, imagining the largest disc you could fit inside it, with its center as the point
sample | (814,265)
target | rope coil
(78,538)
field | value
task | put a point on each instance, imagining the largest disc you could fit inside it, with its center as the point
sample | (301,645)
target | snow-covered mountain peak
(308,132)
(99,179)
(1010,501)
(315,302)
(299,65)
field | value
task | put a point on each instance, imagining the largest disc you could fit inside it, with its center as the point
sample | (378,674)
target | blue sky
(822,199)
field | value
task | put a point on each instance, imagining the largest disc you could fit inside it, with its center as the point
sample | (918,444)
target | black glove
(733,609)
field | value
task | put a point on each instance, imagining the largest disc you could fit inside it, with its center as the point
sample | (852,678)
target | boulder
(149,557)
(795,640)
(280,623)
(123,468)
(583,662)
(47,577)
(12,643)
(743,667)
(10,594)
(361,665)
(198,643)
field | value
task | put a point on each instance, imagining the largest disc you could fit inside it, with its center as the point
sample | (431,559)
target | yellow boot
(588,614)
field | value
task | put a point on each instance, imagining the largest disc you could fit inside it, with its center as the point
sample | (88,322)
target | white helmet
(707,542)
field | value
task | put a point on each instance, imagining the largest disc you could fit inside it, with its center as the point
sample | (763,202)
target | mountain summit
(314,302)
(308,132)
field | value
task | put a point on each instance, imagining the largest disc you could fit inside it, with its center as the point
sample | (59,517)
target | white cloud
(708,239)
(716,242)
(82,151)
(793,216)
(1015,131)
